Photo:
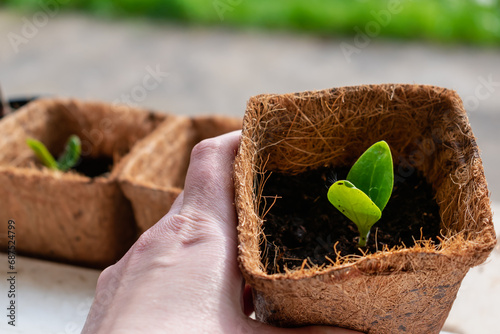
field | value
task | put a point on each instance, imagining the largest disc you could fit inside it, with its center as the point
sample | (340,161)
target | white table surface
(50,297)
(55,298)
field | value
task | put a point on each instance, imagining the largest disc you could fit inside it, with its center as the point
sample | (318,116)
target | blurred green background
(474,22)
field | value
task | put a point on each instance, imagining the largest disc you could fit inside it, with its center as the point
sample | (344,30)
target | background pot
(406,290)
(68,216)
(152,175)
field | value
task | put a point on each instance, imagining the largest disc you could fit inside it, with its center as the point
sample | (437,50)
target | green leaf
(356,206)
(373,173)
(71,153)
(42,153)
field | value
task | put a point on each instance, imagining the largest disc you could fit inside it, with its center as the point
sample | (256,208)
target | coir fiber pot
(69,216)
(152,175)
(398,290)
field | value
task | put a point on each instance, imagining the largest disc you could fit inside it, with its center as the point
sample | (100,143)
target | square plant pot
(401,289)
(152,175)
(69,217)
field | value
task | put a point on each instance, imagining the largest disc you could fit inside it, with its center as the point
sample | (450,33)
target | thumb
(208,192)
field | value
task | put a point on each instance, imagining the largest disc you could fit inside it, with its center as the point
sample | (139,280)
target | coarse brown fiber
(404,290)
(69,217)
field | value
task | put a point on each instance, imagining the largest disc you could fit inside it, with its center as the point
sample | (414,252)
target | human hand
(182,275)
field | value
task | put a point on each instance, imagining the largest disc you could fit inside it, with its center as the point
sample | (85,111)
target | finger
(208,191)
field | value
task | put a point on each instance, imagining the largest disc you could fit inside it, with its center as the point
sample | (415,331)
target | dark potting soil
(93,167)
(303,224)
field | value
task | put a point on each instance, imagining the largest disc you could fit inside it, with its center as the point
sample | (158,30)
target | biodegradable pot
(152,175)
(68,216)
(405,290)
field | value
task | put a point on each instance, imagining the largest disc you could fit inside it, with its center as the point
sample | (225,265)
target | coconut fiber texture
(152,175)
(403,290)
(68,216)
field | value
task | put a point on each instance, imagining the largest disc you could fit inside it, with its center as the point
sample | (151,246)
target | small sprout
(42,153)
(71,153)
(67,160)
(365,193)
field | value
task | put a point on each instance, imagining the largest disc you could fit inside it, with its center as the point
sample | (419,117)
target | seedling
(67,160)
(365,193)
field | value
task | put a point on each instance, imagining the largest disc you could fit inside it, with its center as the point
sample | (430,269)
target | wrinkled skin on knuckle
(165,233)
(170,235)
(206,148)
